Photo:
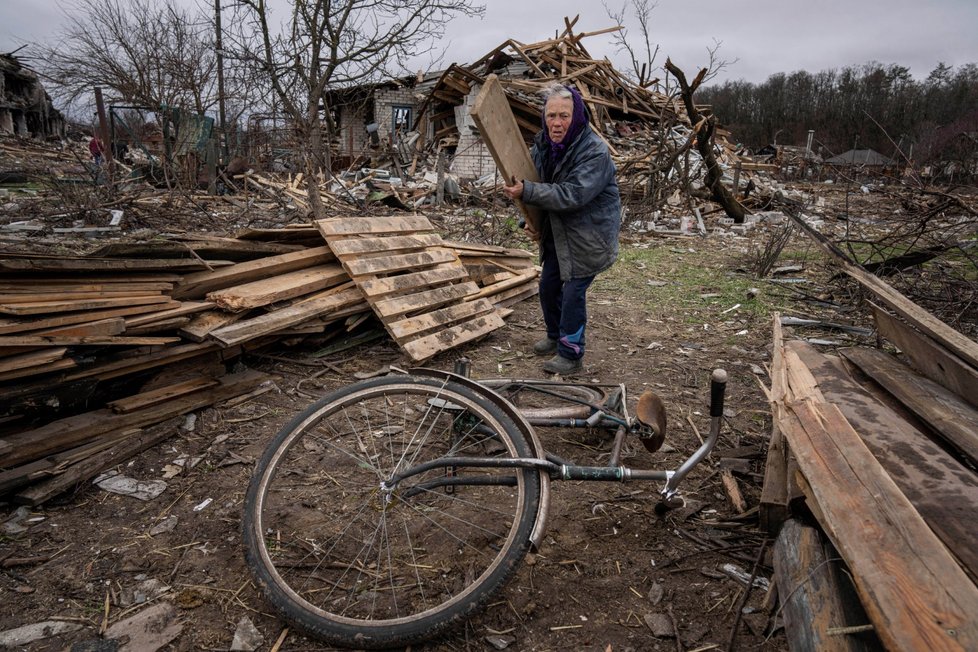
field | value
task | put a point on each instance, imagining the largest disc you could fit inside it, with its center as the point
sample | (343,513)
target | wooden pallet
(413,282)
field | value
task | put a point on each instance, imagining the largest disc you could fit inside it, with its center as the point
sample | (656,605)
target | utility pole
(220,82)
(106,135)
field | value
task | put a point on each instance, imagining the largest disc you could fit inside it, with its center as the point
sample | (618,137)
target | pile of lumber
(883,452)
(634,119)
(143,332)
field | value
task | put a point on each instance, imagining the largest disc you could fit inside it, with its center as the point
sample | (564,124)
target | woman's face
(558,115)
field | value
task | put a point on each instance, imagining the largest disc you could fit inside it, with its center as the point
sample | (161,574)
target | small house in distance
(864,161)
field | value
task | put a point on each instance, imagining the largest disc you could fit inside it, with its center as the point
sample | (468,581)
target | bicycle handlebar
(718,385)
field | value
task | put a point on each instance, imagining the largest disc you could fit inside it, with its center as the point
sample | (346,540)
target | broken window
(401,119)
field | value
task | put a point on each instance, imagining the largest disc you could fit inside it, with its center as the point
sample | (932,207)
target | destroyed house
(372,119)
(619,107)
(26,109)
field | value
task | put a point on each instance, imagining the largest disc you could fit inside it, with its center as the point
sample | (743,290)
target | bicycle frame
(552,467)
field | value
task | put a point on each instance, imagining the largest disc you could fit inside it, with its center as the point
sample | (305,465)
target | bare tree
(328,44)
(641,53)
(144,52)
(705,128)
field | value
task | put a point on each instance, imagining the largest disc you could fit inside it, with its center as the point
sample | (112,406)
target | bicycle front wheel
(360,564)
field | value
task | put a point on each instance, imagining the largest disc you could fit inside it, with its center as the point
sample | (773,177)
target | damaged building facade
(26,109)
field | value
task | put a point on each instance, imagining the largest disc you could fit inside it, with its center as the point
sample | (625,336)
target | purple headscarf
(578,123)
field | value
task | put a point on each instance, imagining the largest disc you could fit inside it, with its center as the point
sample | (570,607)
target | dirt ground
(610,572)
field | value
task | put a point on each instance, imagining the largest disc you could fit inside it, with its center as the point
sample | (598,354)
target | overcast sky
(759,37)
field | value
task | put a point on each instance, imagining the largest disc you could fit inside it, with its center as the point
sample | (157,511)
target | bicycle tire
(356,566)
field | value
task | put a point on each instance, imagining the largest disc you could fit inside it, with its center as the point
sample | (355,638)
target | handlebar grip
(718,385)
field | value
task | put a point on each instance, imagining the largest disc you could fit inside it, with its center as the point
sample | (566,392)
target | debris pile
(167,316)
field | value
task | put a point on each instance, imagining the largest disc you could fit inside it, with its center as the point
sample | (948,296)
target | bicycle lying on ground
(392,509)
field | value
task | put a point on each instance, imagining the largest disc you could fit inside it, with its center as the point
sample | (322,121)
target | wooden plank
(944,493)
(957,343)
(773,506)
(477,249)
(106,327)
(422,324)
(426,347)
(427,300)
(342,226)
(949,416)
(162,326)
(68,264)
(195,286)
(184,308)
(812,599)
(500,304)
(524,291)
(932,359)
(48,307)
(496,288)
(278,288)
(916,595)
(83,284)
(357,246)
(32,358)
(389,264)
(160,395)
(53,464)
(25,325)
(32,297)
(84,340)
(71,431)
(444,273)
(202,324)
(497,125)
(324,303)
(51,367)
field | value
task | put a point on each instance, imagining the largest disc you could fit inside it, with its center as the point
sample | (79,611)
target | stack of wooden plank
(142,332)
(884,455)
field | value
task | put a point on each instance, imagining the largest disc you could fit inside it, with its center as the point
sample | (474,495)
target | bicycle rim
(357,565)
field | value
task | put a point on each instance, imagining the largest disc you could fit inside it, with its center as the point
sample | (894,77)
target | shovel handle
(718,385)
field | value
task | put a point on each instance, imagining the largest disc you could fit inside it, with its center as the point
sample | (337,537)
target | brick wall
(472,159)
(353,134)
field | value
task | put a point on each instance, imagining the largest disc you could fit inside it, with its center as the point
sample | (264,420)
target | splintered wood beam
(321,304)
(494,118)
(278,288)
(915,577)
(914,592)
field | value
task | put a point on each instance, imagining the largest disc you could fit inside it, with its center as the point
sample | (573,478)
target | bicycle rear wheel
(358,564)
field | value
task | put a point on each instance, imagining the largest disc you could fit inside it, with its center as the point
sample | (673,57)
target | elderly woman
(581,215)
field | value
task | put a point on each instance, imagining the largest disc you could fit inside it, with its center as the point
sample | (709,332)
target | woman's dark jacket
(580,203)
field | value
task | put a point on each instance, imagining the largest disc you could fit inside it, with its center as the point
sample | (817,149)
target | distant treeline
(870,106)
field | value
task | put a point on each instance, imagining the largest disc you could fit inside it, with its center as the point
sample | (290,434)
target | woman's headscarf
(578,123)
